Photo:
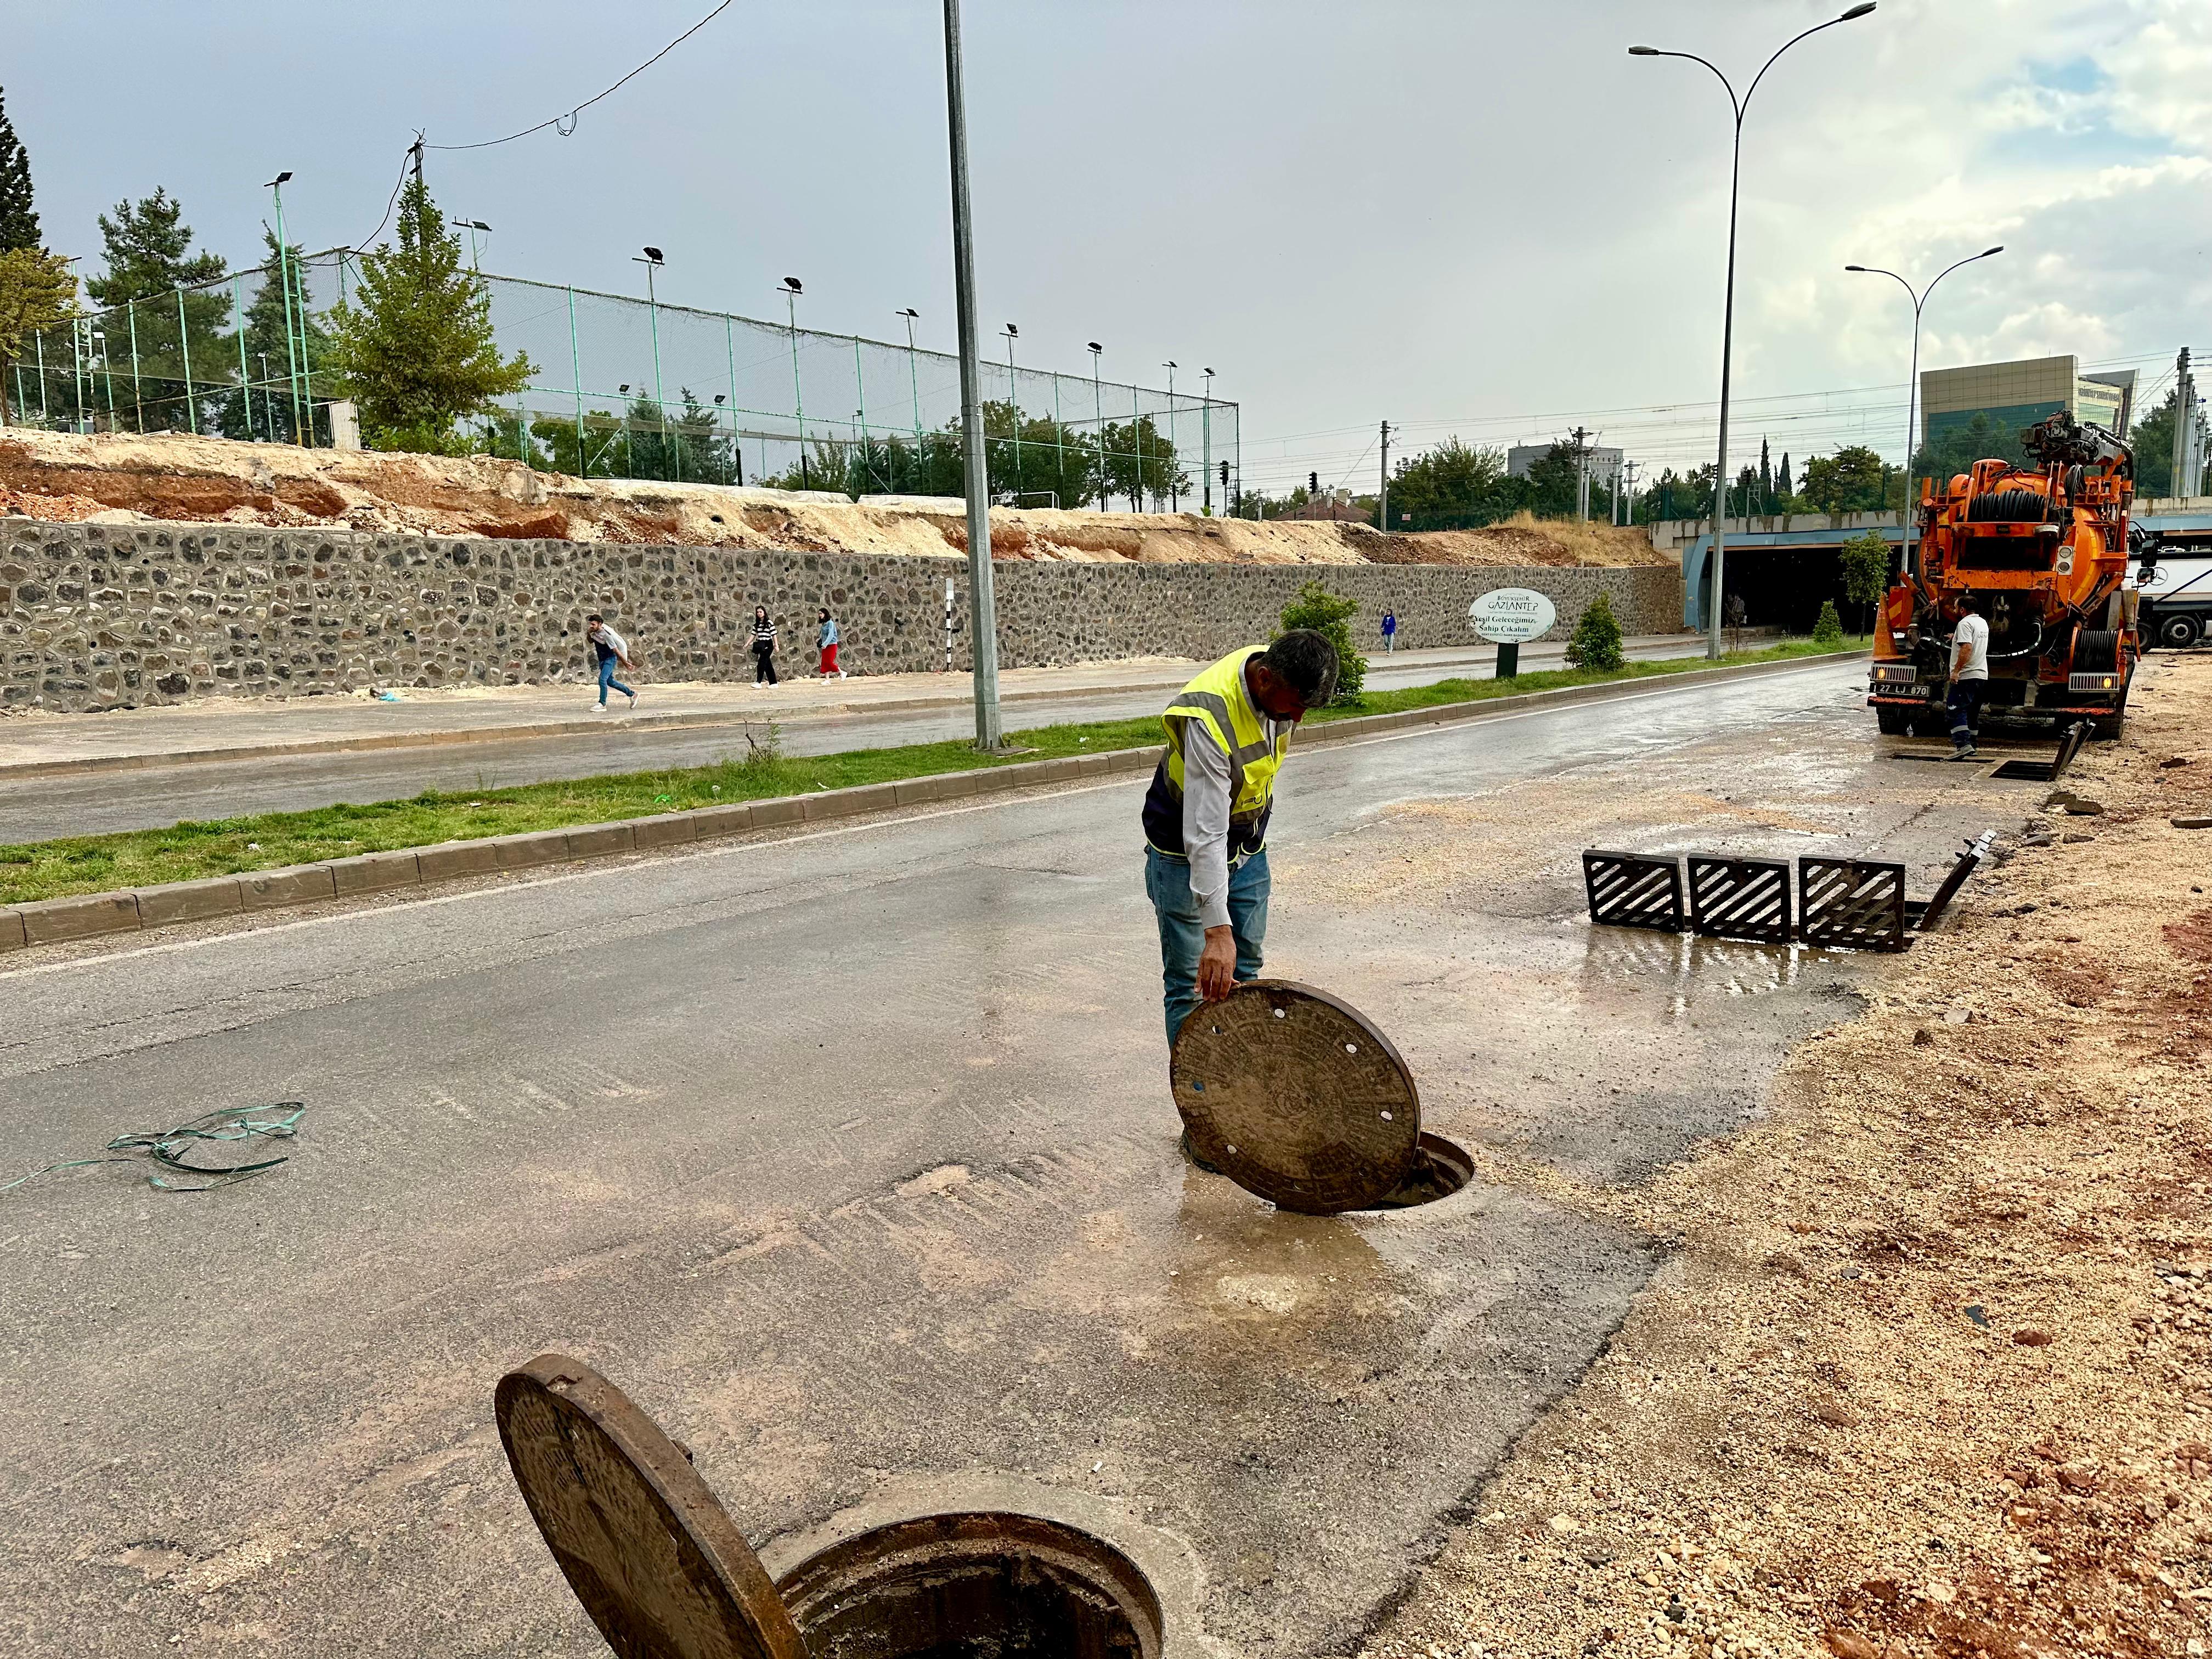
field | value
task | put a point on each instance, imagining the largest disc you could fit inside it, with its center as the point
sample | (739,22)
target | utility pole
(1382,508)
(1628,494)
(2185,416)
(1581,436)
(982,607)
(416,150)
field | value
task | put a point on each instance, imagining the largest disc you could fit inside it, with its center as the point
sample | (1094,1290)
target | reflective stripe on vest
(1217,700)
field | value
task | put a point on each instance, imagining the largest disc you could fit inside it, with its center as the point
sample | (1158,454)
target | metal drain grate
(1858,902)
(1627,890)
(1740,898)
(2050,771)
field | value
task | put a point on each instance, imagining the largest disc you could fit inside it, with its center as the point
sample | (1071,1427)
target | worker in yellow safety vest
(1205,815)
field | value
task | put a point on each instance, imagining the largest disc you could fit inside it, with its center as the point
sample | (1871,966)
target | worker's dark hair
(593,615)
(1307,663)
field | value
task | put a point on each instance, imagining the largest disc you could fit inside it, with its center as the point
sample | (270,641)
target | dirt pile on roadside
(175,478)
(1928,1375)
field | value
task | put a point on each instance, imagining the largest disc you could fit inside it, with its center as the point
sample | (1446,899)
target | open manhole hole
(1296,1097)
(665,1573)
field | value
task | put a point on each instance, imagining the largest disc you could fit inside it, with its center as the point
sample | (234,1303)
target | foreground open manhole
(974,1586)
(1440,1168)
(665,1574)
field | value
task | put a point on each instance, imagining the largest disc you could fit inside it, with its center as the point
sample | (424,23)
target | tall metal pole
(1737,106)
(2183,408)
(1014,398)
(982,608)
(1205,443)
(797,398)
(1906,518)
(1098,414)
(1383,506)
(299,431)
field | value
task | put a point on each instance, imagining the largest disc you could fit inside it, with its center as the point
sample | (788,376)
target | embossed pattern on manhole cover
(1293,1096)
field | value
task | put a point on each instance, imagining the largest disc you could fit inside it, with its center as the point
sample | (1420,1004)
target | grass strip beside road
(269,841)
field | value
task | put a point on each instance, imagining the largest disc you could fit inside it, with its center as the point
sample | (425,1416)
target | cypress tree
(416,349)
(19,221)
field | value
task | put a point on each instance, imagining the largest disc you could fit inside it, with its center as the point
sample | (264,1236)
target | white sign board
(1512,616)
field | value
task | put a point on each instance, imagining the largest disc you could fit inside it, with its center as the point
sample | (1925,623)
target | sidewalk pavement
(228,729)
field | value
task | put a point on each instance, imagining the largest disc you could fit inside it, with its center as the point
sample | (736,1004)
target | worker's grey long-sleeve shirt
(1205,805)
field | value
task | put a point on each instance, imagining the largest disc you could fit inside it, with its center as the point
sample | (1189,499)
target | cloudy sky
(1458,214)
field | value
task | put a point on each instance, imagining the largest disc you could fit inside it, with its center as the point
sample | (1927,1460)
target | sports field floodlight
(719,396)
(1095,348)
(1011,331)
(794,285)
(280,179)
(625,387)
(1715,561)
(653,254)
(909,312)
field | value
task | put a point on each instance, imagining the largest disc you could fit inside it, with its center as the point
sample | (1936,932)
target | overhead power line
(565,123)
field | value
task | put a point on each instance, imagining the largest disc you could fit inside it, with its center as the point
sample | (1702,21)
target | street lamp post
(1206,442)
(791,290)
(300,426)
(913,378)
(652,261)
(1011,333)
(1912,385)
(1098,414)
(1175,496)
(474,226)
(1738,106)
(983,607)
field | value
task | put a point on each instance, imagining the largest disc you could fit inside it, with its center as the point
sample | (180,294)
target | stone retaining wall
(101,616)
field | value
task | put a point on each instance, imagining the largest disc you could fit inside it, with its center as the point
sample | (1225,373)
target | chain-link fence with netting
(627,388)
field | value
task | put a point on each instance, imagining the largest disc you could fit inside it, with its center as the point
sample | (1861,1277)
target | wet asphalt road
(102,802)
(850,1155)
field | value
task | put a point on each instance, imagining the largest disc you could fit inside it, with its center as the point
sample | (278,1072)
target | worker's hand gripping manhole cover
(1293,1096)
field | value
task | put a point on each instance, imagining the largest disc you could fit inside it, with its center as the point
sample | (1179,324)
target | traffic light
(1224,481)
(1313,484)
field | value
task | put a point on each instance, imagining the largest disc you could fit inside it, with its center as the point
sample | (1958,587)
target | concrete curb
(90,916)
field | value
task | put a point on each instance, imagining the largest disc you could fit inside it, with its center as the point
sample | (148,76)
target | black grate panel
(1859,902)
(1627,890)
(1740,898)
(2052,770)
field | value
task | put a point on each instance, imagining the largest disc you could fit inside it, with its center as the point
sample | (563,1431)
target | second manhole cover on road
(1293,1096)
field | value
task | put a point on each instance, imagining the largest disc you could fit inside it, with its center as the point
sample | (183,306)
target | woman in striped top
(763,647)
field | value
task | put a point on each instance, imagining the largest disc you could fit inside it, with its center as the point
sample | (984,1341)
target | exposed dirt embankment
(122,478)
(1928,1377)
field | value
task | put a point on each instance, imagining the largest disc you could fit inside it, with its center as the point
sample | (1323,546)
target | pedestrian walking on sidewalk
(1970,679)
(1206,816)
(609,649)
(825,641)
(763,647)
(1390,630)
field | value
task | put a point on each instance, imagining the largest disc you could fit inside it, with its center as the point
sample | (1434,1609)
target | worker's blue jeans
(608,682)
(1182,935)
(1964,706)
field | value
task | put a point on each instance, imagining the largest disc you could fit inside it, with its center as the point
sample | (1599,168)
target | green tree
(1330,615)
(415,349)
(1828,627)
(262,407)
(1553,485)
(155,293)
(1455,486)
(1865,562)
(2152,439)
(36,292)
(1852,480)
(1595,643)
(1141,461)
(1050,458)
(18,219)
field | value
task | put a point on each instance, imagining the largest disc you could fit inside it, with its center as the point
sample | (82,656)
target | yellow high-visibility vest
(1217,700)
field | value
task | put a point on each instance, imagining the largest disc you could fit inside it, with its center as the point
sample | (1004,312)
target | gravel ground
(1926,1374)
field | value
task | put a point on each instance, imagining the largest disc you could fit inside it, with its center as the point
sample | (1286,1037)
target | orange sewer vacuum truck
(2042,552)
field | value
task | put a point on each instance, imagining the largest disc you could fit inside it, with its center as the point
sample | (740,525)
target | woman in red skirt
(825,639)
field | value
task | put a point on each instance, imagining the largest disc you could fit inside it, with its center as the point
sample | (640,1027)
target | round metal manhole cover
(657,1563)
(1293,1096)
